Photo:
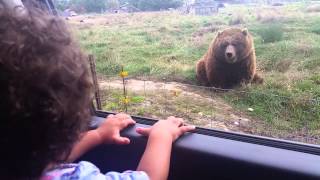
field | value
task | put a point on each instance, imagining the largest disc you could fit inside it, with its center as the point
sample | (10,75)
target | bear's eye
(224,44)
(238,45)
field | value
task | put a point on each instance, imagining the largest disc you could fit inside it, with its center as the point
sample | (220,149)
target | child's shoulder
(86,170)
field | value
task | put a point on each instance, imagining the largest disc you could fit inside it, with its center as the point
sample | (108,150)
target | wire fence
(269,114)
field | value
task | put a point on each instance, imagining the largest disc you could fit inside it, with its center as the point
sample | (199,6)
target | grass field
(168,44)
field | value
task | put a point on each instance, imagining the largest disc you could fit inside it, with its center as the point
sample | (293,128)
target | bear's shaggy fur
(229,61)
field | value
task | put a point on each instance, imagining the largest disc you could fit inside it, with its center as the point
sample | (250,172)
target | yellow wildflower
(125,100)
(123,74)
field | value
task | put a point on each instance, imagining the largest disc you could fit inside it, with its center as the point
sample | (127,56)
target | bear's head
(232,45)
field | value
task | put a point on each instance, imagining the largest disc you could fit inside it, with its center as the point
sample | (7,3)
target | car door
(213,154)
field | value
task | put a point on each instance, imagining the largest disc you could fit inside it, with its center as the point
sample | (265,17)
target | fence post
(95,81)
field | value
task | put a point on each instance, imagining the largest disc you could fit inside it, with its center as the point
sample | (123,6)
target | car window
(147,54)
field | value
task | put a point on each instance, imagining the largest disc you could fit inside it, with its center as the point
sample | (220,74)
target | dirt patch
(196,105)
(199,106)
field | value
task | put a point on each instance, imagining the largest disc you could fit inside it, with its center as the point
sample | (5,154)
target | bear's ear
(245,31)
(219,33)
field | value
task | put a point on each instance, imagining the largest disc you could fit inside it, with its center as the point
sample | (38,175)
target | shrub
(87,5)
(316,28)
(237,19)
(271,32)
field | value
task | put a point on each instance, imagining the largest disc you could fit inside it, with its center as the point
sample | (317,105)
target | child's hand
(109,130)
(173,127)
(161,135)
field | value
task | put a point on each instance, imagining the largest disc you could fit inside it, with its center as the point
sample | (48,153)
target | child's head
(45,92)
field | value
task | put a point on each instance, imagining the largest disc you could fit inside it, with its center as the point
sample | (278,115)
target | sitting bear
(230,60)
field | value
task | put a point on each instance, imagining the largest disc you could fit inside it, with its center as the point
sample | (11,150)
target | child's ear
(245,31)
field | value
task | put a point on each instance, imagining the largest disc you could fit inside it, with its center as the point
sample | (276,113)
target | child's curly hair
(45,91)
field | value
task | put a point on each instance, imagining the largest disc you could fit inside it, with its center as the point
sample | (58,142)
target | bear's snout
(230,54)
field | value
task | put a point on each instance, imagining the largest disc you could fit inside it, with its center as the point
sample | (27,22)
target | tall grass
(271,32)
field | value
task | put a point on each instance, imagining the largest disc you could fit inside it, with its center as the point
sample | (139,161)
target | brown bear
(229,61)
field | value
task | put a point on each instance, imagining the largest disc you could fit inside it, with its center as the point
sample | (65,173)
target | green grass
(282,108)
(316,28)
(159,50)
(271,32)
(168,45)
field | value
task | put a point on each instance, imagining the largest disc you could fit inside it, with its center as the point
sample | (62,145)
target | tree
(154,5)
(102,5)
(112,4)
(61,4)
(89,5)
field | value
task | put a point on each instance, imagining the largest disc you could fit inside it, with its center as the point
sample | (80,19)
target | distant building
(125,8)
(204,7)
(68,13)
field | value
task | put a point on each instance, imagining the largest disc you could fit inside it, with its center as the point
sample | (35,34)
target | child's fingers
(143,131)
(123,116)
(110,116)
(121,140)
(184,129)
(127,122)
(176,121)
(131,121)
(180,121)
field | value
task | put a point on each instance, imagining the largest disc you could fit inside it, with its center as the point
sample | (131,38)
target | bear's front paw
(257,79)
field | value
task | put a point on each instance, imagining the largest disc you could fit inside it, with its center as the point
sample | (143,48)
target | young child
(46,94)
